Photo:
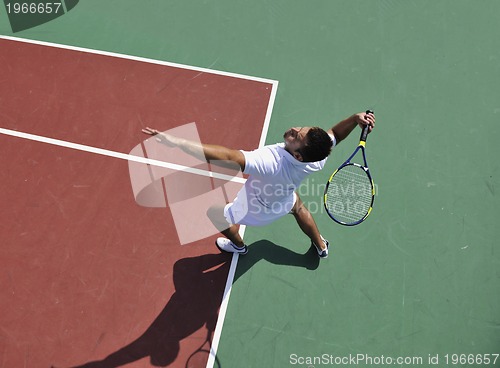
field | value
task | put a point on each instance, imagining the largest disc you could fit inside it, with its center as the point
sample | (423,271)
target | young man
(275,172)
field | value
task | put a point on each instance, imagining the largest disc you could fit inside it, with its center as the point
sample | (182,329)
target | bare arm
(343,128)
(209,152)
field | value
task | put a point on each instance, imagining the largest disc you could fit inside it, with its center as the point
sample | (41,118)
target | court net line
(122,156)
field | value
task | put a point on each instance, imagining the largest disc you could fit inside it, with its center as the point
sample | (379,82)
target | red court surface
(88,277)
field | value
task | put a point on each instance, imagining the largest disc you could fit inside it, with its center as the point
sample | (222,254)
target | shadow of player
(196,301)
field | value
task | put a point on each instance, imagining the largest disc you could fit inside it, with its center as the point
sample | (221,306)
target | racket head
(349,194)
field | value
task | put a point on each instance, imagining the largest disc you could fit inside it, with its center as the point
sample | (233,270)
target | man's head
(308,144)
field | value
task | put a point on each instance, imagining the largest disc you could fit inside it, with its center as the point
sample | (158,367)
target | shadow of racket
(200,357)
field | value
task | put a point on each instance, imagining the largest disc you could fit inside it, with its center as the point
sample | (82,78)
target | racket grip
(364,132)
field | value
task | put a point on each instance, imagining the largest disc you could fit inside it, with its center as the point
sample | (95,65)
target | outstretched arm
(343,128)
(209,152)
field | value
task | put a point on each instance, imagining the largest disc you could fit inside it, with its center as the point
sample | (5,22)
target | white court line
(123,156)
(141,59)
(234,260)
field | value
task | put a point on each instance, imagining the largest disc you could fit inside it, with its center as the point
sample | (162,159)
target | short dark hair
(318,145)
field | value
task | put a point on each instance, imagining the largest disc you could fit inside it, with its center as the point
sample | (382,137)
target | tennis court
(92,279)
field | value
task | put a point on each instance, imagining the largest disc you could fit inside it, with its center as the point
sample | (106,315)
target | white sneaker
(227,245)
(322,253)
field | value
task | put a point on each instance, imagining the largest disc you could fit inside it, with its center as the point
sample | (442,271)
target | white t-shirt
(269,191)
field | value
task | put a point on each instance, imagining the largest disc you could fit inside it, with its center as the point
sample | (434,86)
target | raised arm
(209,152)
(343,128)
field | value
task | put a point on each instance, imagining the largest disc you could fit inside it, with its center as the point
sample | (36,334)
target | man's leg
(230,231)
(232,234)
(306,223)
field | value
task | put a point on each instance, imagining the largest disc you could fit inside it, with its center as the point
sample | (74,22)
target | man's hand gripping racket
(350,191)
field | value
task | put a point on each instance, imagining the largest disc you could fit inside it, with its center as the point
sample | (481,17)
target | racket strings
(349,194)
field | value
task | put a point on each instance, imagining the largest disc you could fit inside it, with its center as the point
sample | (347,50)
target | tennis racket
(350,191)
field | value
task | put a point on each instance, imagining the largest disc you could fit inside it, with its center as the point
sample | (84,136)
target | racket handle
(364,132)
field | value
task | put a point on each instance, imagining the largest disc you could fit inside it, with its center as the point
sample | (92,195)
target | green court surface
(420,278)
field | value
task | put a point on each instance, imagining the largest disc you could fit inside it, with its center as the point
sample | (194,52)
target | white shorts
(250,212)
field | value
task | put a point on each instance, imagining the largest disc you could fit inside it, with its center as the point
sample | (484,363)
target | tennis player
(275,172)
